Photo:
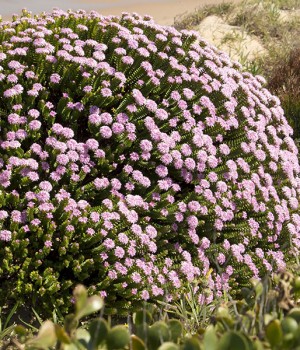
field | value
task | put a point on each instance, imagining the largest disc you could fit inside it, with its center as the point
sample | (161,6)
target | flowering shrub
(135,159)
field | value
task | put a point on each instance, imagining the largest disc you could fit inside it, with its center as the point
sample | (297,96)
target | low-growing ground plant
(266,318)
(136,159)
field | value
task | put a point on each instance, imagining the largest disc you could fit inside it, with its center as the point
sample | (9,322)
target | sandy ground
(163,11)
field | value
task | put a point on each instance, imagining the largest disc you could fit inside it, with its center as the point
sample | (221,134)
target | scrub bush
(135,158)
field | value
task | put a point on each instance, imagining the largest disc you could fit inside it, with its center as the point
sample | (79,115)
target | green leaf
(258,287)
(98,330)
(93,304)
(158,333)
(142,331)
(10,315)
(224,316)
(62,335)
(274,333)
(80,295)
(71,346)
(258,345)
(70,323)
(39,319)
(191,344)
(20,330)
(210,338)
(45,338)
(83,336)
(289,325)
(141,317)
(176,330)
(295,314)
(168,346)
(7,331)
(137,343)
(117,338)
(288,341)
(233,341)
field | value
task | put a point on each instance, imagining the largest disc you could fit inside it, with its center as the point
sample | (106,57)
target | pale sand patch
(163,11)
(231,39)
(288,15)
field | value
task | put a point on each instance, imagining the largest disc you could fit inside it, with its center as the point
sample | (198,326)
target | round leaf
(117,338)
(45,338)
(168,346)
(98,330)
(274,333)
(176,330)
(137,343)
(295,314)
(191,344)
(93,304)
(233,341)
(289,325)
(210,338)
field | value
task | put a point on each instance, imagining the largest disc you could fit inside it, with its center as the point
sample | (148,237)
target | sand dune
(163,11)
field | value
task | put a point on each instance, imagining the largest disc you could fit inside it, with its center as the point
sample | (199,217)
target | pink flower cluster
(134,158)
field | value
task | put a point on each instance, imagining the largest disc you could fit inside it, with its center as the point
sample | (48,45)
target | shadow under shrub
(136,159)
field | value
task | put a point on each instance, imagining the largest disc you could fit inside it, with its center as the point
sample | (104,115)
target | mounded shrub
(136,159)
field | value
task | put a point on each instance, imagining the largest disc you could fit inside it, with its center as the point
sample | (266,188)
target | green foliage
(6,330)
(191,313)
(97,333)
(70,336)
(265,319)
(117,338)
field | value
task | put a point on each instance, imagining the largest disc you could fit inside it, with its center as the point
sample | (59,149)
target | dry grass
(190,20)
(263,19)
(283,76)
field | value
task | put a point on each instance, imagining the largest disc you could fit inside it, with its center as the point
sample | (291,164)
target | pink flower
(221,258)
(105,132)
(55,78)
(119,252)
(5,235)
(145,295)
(105,92)
(48,244)
(192,221)
(146,145)
(161,171)
(35,125)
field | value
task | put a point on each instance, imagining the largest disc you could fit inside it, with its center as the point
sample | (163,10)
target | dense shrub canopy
(135,159)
